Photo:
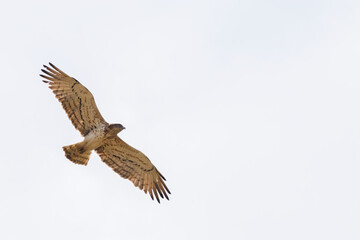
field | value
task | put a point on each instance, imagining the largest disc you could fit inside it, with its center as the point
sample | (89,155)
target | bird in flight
(79,104)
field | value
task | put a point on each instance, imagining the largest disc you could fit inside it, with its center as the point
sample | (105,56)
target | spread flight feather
(79,104)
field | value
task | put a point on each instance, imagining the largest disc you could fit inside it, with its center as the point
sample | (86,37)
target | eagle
(128,162)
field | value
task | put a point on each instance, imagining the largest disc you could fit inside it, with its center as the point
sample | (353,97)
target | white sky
(250,109)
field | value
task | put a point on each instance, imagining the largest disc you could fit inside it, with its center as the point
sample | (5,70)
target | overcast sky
(250,109)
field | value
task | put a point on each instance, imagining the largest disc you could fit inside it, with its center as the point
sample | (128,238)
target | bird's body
(79,153)
(101,136)
(94,138)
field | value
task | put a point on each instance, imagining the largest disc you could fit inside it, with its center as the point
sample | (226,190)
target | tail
(77,154)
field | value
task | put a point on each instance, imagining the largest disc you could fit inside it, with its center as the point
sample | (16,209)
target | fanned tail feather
(77,154)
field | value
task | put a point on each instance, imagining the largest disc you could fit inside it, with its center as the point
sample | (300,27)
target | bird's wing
(132,164)
(77,101)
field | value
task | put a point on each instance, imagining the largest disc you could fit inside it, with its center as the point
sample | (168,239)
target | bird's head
(114,129)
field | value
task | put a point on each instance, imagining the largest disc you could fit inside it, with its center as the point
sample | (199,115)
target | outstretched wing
(132,164)
(77,101)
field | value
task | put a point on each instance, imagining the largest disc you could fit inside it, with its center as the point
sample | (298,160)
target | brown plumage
(79,104)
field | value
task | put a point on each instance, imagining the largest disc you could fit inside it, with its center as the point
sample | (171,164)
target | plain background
(250,109)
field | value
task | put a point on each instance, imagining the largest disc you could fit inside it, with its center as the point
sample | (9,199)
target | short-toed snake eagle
(101,136)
